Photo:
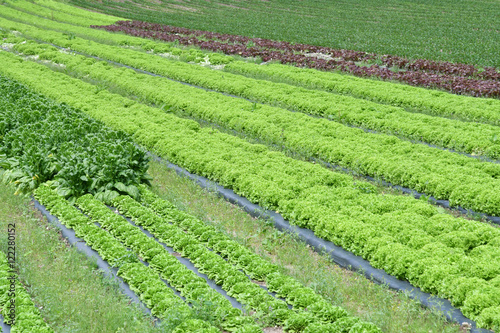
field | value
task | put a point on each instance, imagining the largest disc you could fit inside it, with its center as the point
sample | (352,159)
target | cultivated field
(459,32)
(378,153)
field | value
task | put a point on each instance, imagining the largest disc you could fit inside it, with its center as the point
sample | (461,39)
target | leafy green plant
(195,325)
(42,141)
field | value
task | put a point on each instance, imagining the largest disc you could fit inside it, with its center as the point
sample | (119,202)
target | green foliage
(347,325)
(318,328)
(490,317)
(297,322)
(41,140)
(317,310)
(453,33)
(436,103)
(249,329)
(195,326)
(144,281)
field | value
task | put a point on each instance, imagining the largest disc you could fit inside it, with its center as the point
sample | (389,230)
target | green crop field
(157,178)
(459,31)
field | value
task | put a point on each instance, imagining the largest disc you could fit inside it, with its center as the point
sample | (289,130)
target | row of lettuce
(434,102)
(466,182)
(59,11)
(142,280)
(209,249)
(468,137)
(427,66)
(124,244)
(73,25)
(451,257)
(160,261)
(324,60)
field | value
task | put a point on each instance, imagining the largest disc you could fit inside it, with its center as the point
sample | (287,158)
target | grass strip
(15,302)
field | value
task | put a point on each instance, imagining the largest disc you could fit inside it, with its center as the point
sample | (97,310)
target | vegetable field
(389,151)
(451,32)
